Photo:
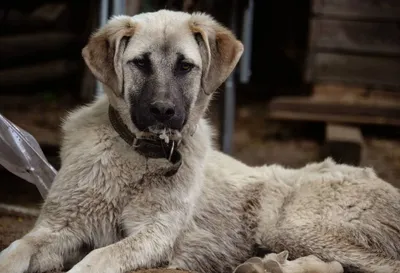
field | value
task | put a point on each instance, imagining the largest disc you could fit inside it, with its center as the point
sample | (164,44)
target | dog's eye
(139,62)
(143,64)
(185,67)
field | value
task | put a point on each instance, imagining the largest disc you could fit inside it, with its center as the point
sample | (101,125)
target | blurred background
(318,78)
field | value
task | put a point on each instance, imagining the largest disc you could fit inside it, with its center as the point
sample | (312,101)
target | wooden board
(328,110)
(353,36)
(38,43)
(39,72)
(358,9)
(45,16)
(377,72)
(355,94)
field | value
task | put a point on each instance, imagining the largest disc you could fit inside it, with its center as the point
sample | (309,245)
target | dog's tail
(358,258)
(351,254)
(367,249)
(366,262)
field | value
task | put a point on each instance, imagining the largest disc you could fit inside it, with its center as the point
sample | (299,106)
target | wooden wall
(355,42)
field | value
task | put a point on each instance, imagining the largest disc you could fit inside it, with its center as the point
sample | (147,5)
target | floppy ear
(103,52)
(219,48)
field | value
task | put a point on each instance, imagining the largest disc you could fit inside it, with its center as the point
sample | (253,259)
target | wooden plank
(335,107)
(376,72)
(309,109)
(358,9)
(28,44)
(352,119)
(37,73)
(16,21)
(343,143)
(44,17)
(49,12)
(365,37)
(352,93)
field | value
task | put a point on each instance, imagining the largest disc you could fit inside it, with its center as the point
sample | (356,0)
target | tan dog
(141,184)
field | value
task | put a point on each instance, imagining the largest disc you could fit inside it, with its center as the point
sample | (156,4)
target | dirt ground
(256,142)
(13,227)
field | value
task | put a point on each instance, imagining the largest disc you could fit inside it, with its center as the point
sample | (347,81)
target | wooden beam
(343,143)
(336,111)
(39,72)
(44,17)
(381,71)
(357,9)
(37,43)
(357,37)
(355,93)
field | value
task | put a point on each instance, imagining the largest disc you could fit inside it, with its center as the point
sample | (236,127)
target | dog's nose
(162,110)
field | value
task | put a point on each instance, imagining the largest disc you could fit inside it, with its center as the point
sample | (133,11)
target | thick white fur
(208,216)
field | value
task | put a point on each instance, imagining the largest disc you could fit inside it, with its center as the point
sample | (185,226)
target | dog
(141,184)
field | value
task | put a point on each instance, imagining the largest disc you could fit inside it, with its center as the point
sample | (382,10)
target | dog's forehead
(163,32)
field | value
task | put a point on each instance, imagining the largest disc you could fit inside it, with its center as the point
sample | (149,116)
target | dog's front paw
(98,261)
(252,265)
(15,258)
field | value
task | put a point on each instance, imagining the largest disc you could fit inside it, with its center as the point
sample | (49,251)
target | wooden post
(132,7)
(343,143)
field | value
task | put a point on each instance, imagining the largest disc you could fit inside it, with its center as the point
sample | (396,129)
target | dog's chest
(157,200)
(130,191)
(128,203)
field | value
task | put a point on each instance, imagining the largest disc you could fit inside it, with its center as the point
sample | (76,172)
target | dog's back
(337,212)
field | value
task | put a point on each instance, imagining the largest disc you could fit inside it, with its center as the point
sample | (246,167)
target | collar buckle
(171,151)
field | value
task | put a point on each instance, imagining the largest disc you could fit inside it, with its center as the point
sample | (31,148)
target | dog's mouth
(160,132)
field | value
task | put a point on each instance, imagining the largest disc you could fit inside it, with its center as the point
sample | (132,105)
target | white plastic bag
(21,154)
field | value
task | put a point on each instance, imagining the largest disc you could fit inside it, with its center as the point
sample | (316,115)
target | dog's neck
(150,147)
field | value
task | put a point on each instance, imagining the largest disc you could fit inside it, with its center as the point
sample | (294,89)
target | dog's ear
(282,256)
(219,48)
(103,52)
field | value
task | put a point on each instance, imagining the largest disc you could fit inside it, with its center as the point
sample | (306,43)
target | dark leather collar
(151,147)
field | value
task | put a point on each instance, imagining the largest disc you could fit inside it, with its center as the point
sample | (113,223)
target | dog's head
(159,69)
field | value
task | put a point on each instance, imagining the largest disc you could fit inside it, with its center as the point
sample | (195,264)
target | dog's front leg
(40,250)
(146,248)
